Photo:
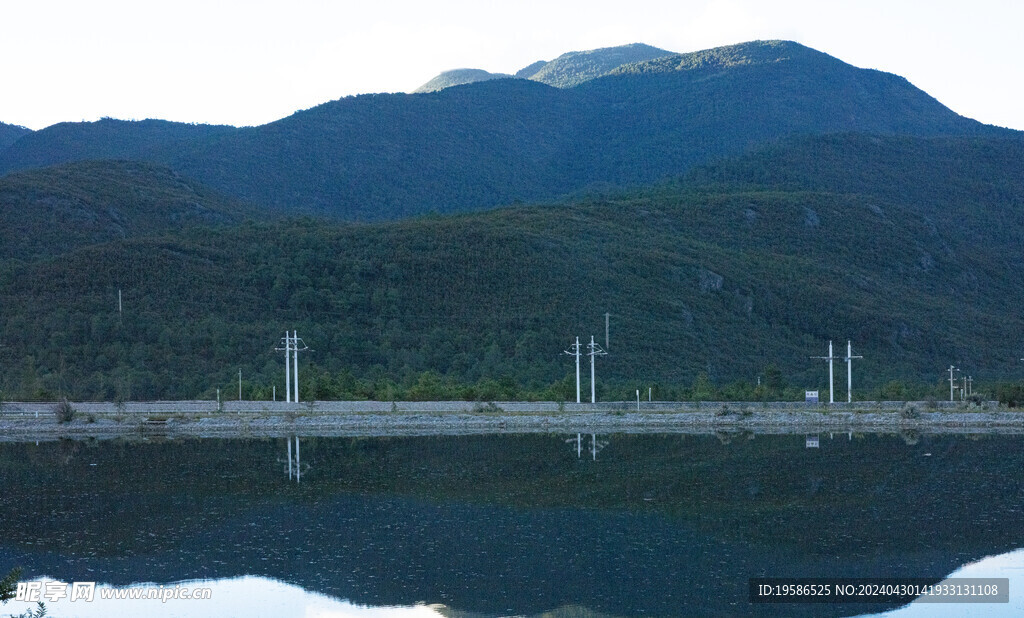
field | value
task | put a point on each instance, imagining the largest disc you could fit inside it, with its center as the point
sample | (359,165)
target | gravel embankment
(27,422)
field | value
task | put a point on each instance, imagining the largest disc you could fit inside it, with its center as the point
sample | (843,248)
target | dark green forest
(709,289)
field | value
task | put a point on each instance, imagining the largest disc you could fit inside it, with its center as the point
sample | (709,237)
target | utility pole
(829,358)
(295,342)
(287,366)
(606,316)
(595,350)
(951,381)
(849,370)
(291,351)
(239,384)
(574,350)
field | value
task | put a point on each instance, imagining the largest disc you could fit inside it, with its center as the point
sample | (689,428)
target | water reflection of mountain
(662,525)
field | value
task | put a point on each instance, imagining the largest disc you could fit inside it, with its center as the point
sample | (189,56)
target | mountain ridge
(484,144)
(10,133)
(565,71)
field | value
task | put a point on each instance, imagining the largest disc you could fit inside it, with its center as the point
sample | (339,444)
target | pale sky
(251,62)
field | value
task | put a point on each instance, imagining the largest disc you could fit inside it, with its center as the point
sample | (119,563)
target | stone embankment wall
(145,408)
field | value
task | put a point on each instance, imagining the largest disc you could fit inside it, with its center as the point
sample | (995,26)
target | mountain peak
(568,70)
(576,67)
(728,56)
(457,77)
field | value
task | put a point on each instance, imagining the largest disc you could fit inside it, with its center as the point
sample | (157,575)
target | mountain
(722,273)
(530,70)
(503,141)
(54,210)
(457,77)
(104,139)
(389,156)
(10,133)
(574,68)
(565,71)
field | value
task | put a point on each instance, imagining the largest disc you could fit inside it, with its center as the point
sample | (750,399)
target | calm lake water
(495,525)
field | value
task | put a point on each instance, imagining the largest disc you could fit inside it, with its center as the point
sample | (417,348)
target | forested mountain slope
(731,280)
(53,210)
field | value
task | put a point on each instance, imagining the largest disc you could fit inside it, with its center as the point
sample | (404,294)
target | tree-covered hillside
(388,156)
(104,139)
(10,133)
(53,210)
(730,283)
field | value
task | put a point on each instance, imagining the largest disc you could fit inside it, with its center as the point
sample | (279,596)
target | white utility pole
(574,350)
(849,370)
(951,370)
(595,350)
(239,384)
(606,316)
(829,358)
(287,367)
(291,351)
(295,341)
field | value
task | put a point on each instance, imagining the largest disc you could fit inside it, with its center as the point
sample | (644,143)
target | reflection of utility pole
(579,444)
(595,445)
(295,462)
(829,358)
